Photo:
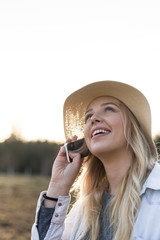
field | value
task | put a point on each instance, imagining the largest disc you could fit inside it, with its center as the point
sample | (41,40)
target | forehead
(103,99)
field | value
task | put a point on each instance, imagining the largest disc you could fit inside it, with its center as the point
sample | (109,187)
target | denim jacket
(146,227)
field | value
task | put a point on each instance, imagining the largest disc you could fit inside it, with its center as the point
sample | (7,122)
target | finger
(77,160)
(74,155)
(74,138)
(62,151)
(68,140)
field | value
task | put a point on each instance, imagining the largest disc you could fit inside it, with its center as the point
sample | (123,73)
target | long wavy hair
(125,204)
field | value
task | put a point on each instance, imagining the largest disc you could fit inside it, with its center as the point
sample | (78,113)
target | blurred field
(18,198)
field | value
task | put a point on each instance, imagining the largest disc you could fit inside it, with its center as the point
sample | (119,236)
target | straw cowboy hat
(76,105)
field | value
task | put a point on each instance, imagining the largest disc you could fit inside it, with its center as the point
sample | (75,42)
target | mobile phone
(78,146)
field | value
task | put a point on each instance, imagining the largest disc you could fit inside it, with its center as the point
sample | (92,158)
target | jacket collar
(153,180)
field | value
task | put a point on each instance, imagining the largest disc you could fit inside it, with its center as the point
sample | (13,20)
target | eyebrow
(102,105)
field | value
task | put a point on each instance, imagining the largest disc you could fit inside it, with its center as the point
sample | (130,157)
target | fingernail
(62,149)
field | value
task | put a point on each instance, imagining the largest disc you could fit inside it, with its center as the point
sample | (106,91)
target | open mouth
(99,132)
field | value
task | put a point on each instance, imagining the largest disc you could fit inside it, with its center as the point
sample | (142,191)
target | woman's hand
(63,174)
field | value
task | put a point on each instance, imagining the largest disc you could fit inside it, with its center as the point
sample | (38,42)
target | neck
(116,165)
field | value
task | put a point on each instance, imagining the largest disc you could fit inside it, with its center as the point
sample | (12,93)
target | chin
(98,150)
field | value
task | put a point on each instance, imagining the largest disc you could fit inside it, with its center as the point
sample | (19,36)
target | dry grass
(19,196)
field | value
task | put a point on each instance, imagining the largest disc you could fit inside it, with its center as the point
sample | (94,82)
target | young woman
(118,184)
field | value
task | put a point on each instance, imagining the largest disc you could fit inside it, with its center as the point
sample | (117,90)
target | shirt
(45,216)
(146,227)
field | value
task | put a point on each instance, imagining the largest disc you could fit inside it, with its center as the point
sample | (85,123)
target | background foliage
(29,158)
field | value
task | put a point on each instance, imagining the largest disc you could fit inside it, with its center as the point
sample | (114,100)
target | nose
(96,119)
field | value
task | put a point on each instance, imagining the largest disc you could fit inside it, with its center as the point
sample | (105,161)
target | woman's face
(104,128)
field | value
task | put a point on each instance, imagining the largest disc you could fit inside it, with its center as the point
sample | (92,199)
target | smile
(99,132)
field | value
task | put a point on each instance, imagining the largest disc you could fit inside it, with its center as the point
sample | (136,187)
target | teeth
(99,131)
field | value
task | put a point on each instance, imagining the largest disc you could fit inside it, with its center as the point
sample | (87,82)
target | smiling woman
(116,185)
(104,125)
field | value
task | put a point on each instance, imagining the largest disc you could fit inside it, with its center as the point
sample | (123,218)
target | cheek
(87,135)
(86,131)
(118,126)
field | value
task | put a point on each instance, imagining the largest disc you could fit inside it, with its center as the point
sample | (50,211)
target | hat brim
(76,105)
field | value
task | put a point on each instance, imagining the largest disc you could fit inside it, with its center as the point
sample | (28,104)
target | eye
(88,116)
(109,109)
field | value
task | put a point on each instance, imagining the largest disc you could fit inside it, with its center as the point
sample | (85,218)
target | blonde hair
(124,206)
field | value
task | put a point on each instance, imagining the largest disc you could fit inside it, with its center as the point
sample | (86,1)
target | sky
(48,49)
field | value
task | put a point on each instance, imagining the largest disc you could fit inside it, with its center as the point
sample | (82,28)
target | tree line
(34,157)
